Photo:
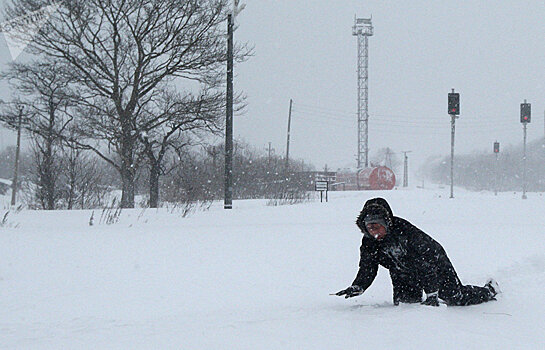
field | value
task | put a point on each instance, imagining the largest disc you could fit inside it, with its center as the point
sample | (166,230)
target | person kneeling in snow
(415,260)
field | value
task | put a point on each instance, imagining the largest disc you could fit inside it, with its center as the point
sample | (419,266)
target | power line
(412,125)
(384,116)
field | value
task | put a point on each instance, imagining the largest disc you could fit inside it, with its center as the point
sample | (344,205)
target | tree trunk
(127,195)
(70,200)
(49,166)
(83,193)
(71,186)
(50,182)
(71,190)
(154,186)
(128,169)
(48,177)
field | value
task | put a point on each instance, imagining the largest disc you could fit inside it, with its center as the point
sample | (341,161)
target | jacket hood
(375,207)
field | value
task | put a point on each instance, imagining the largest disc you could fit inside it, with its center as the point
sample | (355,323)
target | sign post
(322,186)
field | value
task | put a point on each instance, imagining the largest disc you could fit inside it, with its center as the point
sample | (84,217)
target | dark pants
(453,292)
(408,289)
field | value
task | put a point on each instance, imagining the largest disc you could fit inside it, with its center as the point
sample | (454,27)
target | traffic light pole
(496,177)
(453,111)
(452,127)
(524,165)
(525,117)
(496,167)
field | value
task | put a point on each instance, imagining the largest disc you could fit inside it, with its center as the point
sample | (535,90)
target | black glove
(432,299)
(352,291)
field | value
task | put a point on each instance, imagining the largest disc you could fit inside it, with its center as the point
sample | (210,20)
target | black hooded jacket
(408,252)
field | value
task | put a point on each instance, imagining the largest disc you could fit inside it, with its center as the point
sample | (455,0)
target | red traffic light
(525,112)
(453,103)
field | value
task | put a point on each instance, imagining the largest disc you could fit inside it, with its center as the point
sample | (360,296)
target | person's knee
(407,294)
(408,299)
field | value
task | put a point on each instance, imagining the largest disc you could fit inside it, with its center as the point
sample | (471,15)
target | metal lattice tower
(363,28)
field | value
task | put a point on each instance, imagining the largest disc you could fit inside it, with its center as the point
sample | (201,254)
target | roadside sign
(322,186)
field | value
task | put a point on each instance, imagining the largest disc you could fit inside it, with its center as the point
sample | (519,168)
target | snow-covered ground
(259,277)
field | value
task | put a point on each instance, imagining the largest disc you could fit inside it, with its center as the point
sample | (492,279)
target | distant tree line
(481,171)
(82,180)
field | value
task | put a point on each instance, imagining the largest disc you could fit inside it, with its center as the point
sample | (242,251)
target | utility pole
(270,154)
(17,151)
(228,185)
(288,142)
(405,168)
(363,29)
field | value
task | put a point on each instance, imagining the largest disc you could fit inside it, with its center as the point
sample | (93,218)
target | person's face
(376,230)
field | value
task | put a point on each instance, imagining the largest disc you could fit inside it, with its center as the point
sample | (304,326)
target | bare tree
(171,123)
(45,174)
(386,157)
(84,179)
(255,175)
(119,52)
(43,98)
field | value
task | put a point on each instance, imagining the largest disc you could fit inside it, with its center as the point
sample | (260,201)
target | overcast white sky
(491,52)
